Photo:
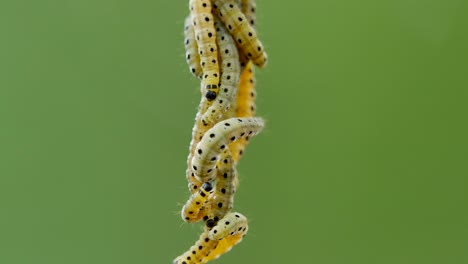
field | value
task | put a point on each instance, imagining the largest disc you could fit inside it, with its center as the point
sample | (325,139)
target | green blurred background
(364,158)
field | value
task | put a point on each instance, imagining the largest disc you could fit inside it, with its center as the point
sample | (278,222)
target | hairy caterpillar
(191,210)
(199,251)
(248,8)
(217,139)
(244,34)
(205,35)
(231,224)
(191,49)
(222,200)
(245,106)
(230,73)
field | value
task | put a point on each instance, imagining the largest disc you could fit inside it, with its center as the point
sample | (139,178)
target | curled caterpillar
(203,23)
(191,49)
(199,251)
(217,139)
(191,210)
(245,106)
(230,74)
(244,34)
(232,224)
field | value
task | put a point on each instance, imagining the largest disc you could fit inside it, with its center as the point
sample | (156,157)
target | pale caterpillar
(230,73)
(231,224)
(191,210)
(205,35)
(216,140)
(244,34)
(197,254)
(191,49)
(245,106)
(222,200)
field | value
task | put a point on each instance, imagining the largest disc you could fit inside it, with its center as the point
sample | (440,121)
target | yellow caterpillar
(191,49)
(217,139)
(245,106)
(230,73)
(197,253)
(203,23)
(191,210)
(231,224)
(244,34)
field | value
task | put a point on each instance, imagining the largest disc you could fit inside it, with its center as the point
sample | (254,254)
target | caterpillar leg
(241,30)
(205,34)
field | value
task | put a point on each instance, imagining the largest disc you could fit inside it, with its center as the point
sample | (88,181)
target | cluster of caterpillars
(221,50)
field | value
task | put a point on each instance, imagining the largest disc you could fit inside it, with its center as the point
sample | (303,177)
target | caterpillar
(191,210)
(205,34)
(230,74)
(191,49)
(199,251)
(244,34)
(231,224)
(222,200)
(245,106)
(216,139)
(248,8)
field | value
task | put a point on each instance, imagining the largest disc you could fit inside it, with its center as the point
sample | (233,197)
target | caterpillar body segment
(230,74)
(205,35)
(217,140)
(241,30)
(245,106)
(198,200)
(191,49)
(232,224)
(197,254)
